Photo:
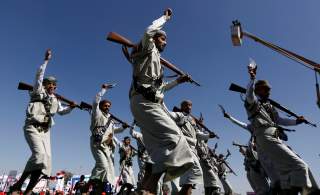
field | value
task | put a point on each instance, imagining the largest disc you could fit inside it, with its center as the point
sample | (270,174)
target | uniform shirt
(39,99)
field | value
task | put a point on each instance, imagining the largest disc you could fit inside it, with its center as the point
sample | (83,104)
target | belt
(40,126)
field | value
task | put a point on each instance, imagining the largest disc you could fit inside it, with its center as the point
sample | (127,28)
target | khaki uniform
(126,164)
(210,175)
(222,173)
(40,110)
(264,119)
(102,150)
(265,162)
(255,173)
(192,133)
(143,156)
(163,139)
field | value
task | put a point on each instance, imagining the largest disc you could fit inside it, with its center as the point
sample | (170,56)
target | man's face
(127,142)
(187,107)
(50,87)
(105,107)
(160,42)
(263,92)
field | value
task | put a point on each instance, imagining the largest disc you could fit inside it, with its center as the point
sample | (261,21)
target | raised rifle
(25,86)
(88,107)
(237,88)
(239,145)
(117,38)
(237,34)
(176,109)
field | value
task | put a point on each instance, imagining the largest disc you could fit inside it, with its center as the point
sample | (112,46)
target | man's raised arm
(155,27)
(40,72)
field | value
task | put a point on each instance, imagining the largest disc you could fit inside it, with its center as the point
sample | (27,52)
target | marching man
(163,139)
(209,169)
(102,144)
(222,173)
(192,133)
(294,172)
(42,107)
(127,152)
(143,156)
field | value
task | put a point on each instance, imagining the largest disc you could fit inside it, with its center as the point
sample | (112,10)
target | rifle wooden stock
(117,38)
(86,106)
(25,86)
(237,88)
(176,109)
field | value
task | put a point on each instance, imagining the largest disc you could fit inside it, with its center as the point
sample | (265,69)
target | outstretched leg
(17,186)
(34,179)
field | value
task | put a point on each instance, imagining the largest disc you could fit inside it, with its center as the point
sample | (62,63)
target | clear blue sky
(198,41)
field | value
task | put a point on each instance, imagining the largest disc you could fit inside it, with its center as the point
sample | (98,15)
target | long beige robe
(163,139)
(38,138)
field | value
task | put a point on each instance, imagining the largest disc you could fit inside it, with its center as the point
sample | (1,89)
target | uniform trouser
(226,185)
(313,181)
(127,175)
(40,146)
(194,175)
(269,168)
(210,177)
(258,182)
(163,139)
(292,169)
(104,167)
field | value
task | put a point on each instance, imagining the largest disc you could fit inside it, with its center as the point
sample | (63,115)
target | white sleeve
(62,110)
(39,77)
(250,96)
(202,135)
(170,85)
(151,31)
(284,121)
(239,123)
(97,99)
(118,143)
(118,129)
(135,134)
